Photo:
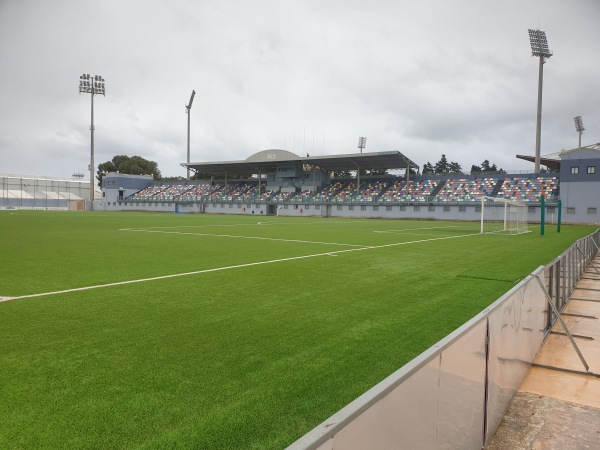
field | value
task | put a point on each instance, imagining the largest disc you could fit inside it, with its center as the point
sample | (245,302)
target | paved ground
(539,422)
(556,409)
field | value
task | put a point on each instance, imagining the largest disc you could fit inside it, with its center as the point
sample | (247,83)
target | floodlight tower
(188,108)
(539,47)
(92,85)
(579,127)
(362,143)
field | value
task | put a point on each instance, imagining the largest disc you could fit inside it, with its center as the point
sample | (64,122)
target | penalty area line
(237,266)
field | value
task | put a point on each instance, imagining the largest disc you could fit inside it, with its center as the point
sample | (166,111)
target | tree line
(443,166)
(134,165)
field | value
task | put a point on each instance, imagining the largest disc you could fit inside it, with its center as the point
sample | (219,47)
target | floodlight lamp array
(578,124)
(189,106)
(91,85)
(539,44)
(362,142)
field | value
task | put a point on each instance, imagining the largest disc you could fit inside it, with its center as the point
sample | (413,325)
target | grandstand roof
(552,160)
(269,160)
(42,177)
(593,147)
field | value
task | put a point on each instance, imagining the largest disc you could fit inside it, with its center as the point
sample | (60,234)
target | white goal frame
(501,215)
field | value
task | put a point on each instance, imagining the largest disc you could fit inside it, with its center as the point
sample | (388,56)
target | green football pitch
(143,330)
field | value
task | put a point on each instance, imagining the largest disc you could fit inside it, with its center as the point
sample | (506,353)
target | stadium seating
(454,190)
(529,190)
(371,191)
(412,192)
(462,190)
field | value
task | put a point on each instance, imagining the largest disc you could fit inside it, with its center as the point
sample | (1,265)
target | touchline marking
(143,230)
(217,225)
(414,229)
(238,266)
(301,222)
(192,226)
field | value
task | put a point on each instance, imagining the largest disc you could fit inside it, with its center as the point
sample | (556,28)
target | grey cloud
(424,78)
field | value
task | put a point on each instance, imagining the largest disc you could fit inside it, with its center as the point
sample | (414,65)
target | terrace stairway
(497,187)
(438,188)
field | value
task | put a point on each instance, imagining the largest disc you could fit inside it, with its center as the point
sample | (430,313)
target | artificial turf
(287,321)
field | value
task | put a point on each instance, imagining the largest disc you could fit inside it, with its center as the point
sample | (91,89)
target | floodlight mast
(362,143)
(539,48)
(92,85)
(579,127)
(188,108)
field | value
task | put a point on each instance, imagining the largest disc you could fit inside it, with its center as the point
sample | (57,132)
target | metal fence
(454,395)
(22,192)
(562,274)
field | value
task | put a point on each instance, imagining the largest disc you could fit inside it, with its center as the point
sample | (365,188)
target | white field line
(273,222)
(414,229)
(300,222)
(145,230)
(238,266)
(193,226)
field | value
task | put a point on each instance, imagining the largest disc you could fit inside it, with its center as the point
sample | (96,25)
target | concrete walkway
(558,409)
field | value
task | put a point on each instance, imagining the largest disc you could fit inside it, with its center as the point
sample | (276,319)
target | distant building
(118,186)
(44,192)
(291,185)
(580,184)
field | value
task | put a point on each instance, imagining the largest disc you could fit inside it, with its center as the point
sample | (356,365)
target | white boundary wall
(471,212)
(454,395)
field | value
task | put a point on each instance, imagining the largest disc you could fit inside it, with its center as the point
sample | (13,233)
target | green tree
(103,169)
(135,165)
(486,167)
(442,166)
(427,168)
(455,167)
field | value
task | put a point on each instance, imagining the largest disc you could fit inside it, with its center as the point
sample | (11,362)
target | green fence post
(543,219)
(559,216)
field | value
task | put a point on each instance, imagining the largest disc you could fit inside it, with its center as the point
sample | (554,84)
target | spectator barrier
(454,395)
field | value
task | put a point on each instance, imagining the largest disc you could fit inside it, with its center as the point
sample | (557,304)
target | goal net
(499,215)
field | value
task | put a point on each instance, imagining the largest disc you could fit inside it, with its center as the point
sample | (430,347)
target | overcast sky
(423,77)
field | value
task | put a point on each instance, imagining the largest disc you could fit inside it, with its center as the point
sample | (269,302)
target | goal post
(500,215)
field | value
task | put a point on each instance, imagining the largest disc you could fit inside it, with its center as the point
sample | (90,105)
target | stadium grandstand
(43,192)
(278,182)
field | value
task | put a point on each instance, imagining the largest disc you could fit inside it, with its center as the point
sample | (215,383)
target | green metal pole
(559,216)
(543,219)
